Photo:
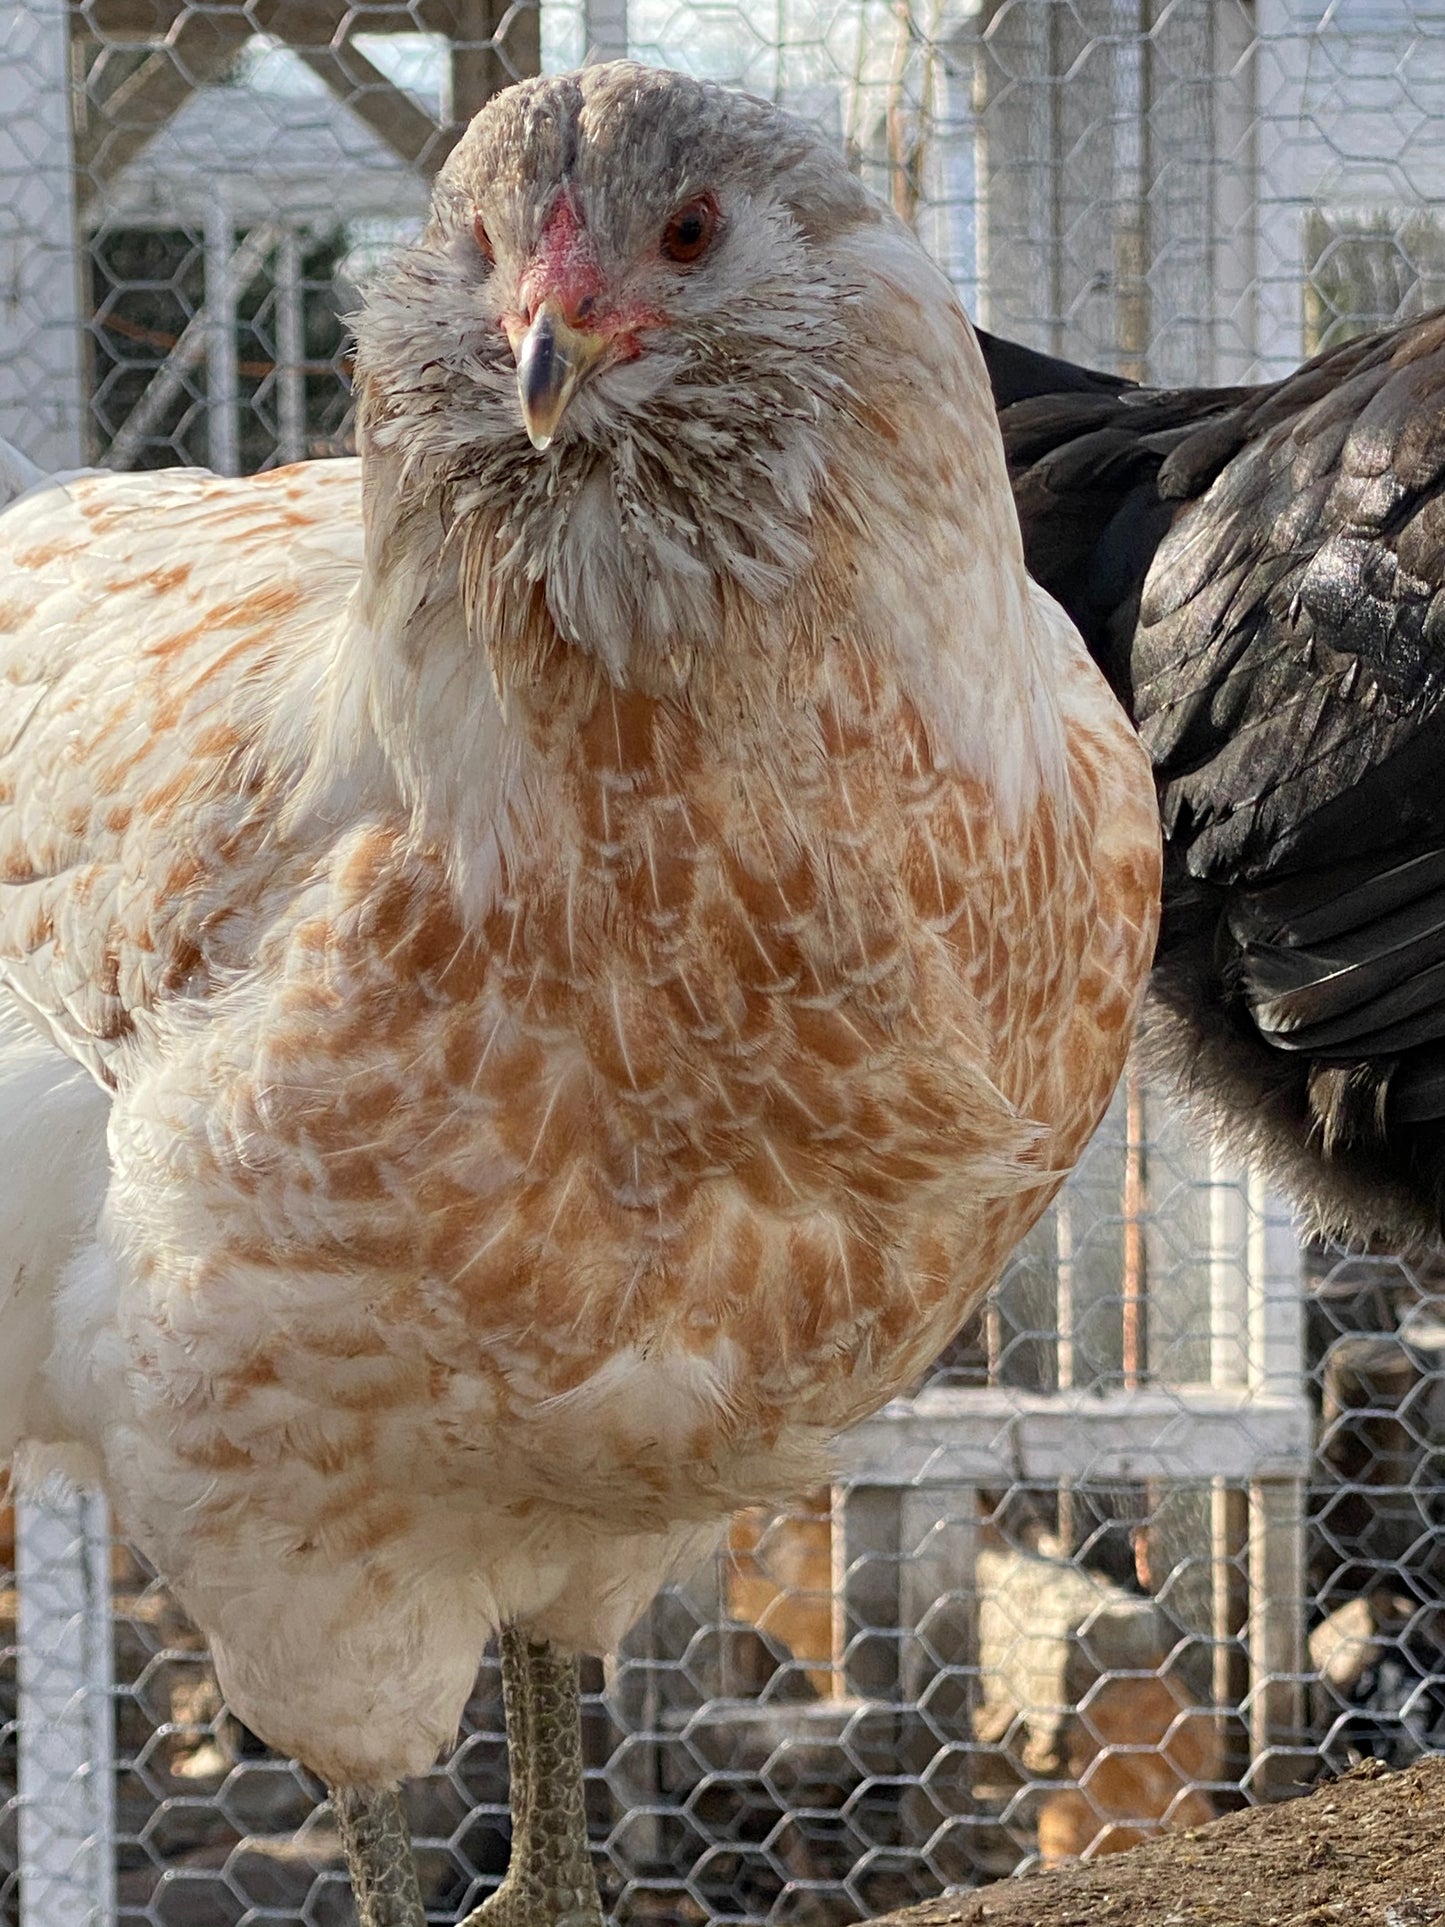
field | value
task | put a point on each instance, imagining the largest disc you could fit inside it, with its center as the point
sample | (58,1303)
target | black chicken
(1261,574)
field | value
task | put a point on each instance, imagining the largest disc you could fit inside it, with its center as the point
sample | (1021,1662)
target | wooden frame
(492,43)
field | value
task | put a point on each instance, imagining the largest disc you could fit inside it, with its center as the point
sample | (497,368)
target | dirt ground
(1367,1850)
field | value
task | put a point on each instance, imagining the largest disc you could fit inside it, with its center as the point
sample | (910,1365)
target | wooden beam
(995,1436)
(494,42)
(118,21)
(201,47)
(388,110)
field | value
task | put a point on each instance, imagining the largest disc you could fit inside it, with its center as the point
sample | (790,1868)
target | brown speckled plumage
(562,1074)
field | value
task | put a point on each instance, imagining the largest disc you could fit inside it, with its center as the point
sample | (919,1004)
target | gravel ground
(1367,1850)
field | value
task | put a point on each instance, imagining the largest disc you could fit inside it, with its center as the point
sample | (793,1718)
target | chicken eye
(691,230)
(484,241)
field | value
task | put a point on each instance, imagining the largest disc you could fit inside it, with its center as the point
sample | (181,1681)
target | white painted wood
(222,287)
(604,29)
(1276,1636)
(290,348)
(42,388)
(994,1436)
(1286,158)
(1277,1550)
(1229,1255)
(66,1743)
(1276,1295)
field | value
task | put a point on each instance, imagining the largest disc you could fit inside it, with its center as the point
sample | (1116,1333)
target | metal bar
(66,1743)
(290,349)
(995,1436)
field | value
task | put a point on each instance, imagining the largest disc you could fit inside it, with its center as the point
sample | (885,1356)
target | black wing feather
(1261,573)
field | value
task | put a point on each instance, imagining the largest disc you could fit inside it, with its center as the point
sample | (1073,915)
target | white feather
(53,1152)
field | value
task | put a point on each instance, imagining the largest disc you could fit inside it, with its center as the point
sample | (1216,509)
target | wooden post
(42,385)
(223,422)
(1134,1310)
(493,44)
(195,344)
(1234,331)
(1229,1362)
(290,347)
(604,29)
(1285,46)
(65,1744)
(938,1671)
(67,1748)
(1276,1508)
(1047,166)
(865,1584)
(647,1695)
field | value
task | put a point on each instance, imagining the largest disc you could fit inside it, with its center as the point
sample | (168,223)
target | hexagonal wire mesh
(1092,1580)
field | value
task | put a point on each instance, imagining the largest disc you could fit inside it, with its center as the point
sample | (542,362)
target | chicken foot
(550,1882)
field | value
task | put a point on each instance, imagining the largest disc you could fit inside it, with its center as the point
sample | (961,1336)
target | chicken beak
(552,357)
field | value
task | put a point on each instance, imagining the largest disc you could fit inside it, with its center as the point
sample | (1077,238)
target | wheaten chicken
(600,923)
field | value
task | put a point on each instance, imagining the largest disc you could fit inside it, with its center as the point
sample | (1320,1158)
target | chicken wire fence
(1161,1531)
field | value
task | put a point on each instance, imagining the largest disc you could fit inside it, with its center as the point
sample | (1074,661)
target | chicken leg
(549,1882)
(377,1843)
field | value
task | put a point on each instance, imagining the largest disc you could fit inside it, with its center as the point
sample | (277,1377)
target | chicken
(1260,572)
(599,925)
